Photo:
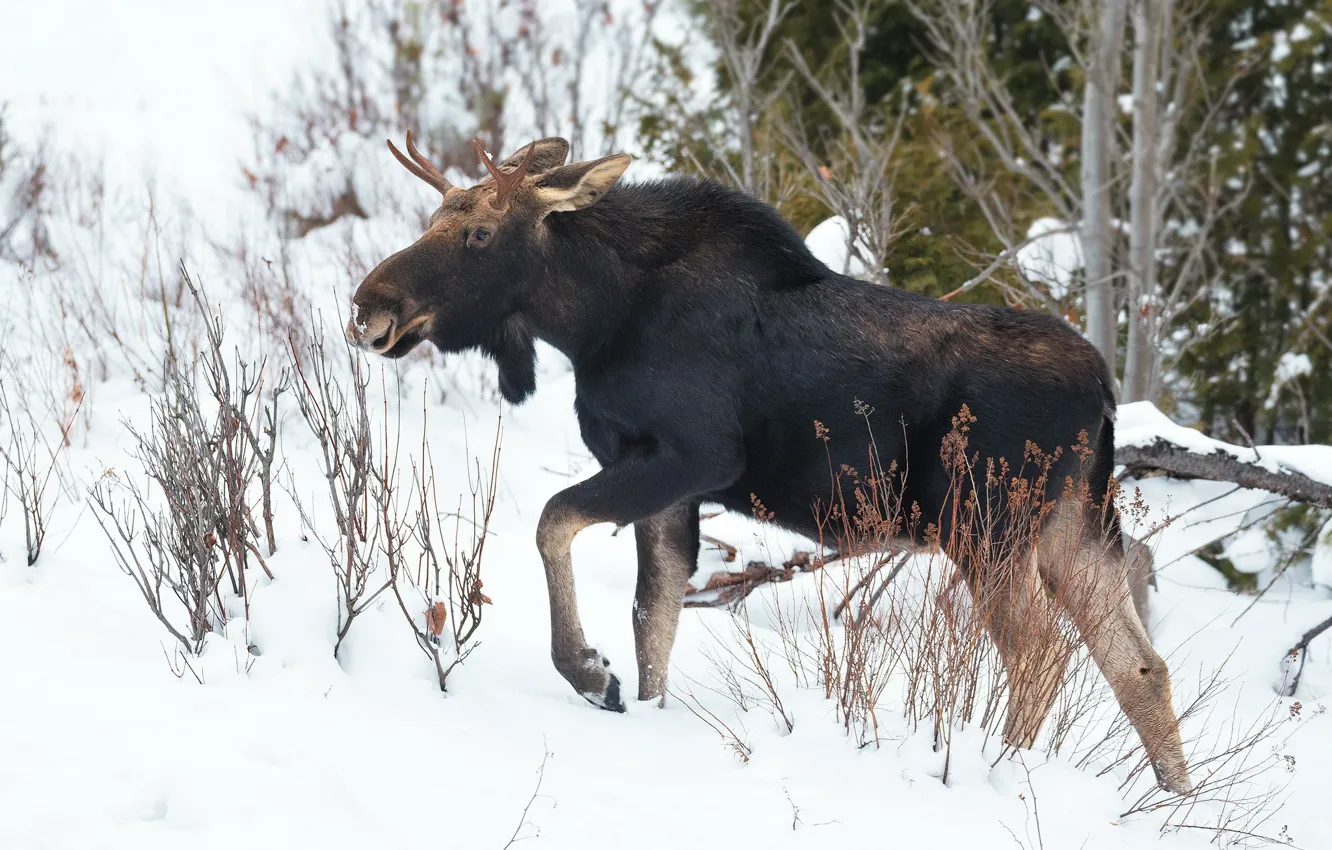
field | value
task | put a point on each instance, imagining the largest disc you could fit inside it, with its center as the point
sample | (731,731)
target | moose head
(482,255)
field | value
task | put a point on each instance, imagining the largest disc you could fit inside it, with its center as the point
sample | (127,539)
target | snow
(1290,367)
(1141,424)
(1251,550)
(1280,46)
(1321,563)
(1052,255)
(102,746)
(830,243)
(178,118)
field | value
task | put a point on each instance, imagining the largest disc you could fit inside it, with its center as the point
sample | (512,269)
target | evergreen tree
(1271,307)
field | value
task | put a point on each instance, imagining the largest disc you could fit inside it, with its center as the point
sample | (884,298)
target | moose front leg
(584,668)
(628,490)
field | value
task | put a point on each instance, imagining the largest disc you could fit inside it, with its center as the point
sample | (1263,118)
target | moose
(706,340)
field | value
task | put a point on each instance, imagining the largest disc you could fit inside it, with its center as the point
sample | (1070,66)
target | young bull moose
(705,341)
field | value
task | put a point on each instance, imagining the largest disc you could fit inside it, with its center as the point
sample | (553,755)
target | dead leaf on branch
(435,617)
(477,597)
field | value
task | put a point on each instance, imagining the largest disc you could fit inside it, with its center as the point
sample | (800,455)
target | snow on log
(1179,462)
(1147,441)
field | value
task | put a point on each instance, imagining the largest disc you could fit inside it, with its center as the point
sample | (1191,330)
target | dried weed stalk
(919,635)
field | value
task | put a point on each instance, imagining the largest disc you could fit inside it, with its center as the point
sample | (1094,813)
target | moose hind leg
(1088,577)
(1023,623)
(667,556)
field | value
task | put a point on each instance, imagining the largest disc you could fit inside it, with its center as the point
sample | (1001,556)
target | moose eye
(478,237)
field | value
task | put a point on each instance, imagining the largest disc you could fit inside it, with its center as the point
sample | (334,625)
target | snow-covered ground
(101,746)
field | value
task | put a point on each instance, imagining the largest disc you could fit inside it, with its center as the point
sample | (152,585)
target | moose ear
(546,154)
(572,187)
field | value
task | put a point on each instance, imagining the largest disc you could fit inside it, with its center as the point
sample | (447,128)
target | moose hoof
(610,699)
(597,684)
(1174,780)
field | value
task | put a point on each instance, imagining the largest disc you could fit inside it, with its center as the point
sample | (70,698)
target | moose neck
(595,260)
(578,312)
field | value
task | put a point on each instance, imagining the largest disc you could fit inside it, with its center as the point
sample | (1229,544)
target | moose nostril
(377,332)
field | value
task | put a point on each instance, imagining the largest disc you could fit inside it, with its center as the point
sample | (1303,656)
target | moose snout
(375,333)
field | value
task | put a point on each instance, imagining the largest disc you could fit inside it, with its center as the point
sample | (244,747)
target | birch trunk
(1142,358)
(1098,115)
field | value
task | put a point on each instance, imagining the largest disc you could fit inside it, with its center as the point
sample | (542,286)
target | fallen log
(1178,462)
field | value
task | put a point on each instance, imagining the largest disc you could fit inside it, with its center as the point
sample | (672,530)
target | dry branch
(1178,462)
(727,589)
(1173,460)
(341,427)
(1298,654)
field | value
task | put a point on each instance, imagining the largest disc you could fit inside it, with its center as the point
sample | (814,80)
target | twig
(522,820)
(720,544)
(864,580)
(1301,650)
(1003,257)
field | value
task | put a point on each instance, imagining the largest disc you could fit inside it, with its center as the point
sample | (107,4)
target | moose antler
(505,183)
(421,166)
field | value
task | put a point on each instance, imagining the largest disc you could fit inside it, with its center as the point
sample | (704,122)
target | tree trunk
(1142,358)
(1098,114)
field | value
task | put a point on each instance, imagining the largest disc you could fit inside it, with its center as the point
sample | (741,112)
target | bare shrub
(743,664)
(745,48)
(342,428)
(390,538)
(444,586)
(114,306)
(168,554)
(26,481)
(31,468)
(447,71)
(853,163)
(1238,766)
(206,448)
(278,306)
(4,500)
(25,202)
